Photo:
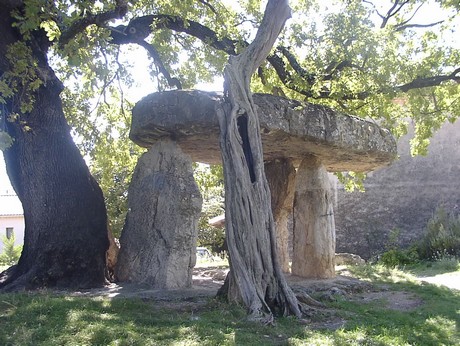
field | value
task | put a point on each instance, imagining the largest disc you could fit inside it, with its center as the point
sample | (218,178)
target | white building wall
(17,223)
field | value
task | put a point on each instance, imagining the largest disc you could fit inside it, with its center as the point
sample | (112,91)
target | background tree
(210,181)
(64,212)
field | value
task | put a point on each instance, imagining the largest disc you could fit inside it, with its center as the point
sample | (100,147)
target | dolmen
(301,143)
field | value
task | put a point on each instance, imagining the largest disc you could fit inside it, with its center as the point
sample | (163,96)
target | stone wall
(403,196)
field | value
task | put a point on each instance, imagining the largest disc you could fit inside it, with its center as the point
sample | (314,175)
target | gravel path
(450,280)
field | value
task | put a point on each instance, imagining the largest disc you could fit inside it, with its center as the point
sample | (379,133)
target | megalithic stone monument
(293,133)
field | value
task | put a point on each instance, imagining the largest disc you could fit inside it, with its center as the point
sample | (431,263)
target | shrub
(11,253)
(398,257)
(441,241)
(395,256)
(442,237)
(210,181)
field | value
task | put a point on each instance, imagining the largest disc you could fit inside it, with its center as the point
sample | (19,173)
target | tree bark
(314,228)
(281,180)
(255,276)
(65,218)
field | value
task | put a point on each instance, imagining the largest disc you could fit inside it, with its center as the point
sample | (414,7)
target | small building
(11,218)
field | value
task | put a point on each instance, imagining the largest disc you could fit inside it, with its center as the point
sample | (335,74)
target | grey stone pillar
(281,180)
(158,242)
(314,228)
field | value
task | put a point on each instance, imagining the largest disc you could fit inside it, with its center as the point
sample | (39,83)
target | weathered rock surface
(281,181)
(289,129)
(159,237)
(344,258)
(402,197)
(314,230)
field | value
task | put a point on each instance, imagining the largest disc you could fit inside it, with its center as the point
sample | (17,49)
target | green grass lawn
(49,319)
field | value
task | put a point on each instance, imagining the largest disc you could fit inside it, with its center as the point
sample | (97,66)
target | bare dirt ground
(450,280)
(206,282)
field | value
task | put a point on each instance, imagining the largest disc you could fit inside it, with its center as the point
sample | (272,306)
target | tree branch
(429,81)
(310,78)
(407,26)
(375,8)
(99,19)
(397,6)
(141,27)
(207,4)
(410,18)
(172,81)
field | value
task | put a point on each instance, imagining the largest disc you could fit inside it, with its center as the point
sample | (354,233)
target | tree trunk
(314,229)
(255,275)
(65,218)
(281,180)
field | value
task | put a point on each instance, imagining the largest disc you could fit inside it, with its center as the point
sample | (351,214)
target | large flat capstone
(289,129)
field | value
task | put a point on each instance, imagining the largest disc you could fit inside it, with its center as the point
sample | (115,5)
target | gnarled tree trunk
(255,277)
(281,180)
(64,211)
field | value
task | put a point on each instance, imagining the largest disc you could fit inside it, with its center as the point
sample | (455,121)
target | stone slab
(289,129)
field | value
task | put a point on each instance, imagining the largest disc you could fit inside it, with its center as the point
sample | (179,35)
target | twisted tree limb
(141,27)
(99,19)
(255,277)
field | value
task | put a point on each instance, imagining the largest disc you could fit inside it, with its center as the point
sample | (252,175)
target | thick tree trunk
(256,277)
(65,218)
(281,180)
(314,228)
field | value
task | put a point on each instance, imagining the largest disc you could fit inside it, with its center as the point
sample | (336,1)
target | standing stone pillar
(314,228)
(281,181)
(158,242)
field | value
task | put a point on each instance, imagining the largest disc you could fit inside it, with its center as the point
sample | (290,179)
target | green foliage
(211,184)
(113,159)
(350,53)
(347,58)
(22,79)
(394,256)
(440,243)
(352,180)
(399,257)
(442,237)
(11,253)
(5,140)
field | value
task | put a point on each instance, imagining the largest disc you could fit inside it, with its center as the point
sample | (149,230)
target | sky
(5,186)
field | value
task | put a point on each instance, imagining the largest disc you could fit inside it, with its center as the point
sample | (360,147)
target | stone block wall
(403,196)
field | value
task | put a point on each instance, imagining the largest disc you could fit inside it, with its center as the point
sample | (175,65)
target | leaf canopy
(394,61)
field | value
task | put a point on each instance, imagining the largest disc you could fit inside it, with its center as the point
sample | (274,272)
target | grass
(444,266)
(48,319)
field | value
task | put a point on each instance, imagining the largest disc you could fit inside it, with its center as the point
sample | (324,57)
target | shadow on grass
(46,319)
